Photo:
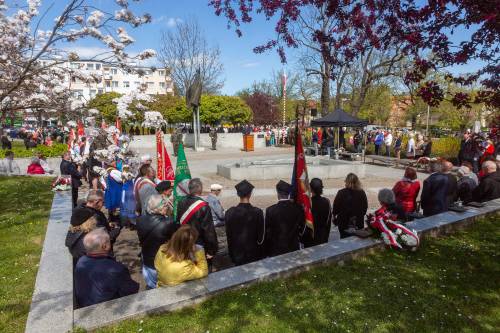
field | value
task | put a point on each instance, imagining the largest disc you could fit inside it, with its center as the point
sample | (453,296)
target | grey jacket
(216,208)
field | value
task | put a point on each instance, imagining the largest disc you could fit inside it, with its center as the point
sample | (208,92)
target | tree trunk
(325,95)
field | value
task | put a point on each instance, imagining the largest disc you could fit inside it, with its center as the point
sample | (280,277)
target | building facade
(114,79)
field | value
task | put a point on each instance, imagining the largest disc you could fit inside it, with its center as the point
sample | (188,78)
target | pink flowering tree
(26,81)
(424,31)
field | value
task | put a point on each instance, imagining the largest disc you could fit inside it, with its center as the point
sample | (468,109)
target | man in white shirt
(388,143)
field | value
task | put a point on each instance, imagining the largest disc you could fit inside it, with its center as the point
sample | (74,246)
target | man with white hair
(215,205)
(489,186)
(146,159)
(388,143)
(99,277)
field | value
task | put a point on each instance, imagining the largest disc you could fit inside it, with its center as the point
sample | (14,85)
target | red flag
(164,165)
(81,130)
(300,181)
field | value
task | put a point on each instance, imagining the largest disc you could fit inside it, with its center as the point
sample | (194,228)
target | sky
(241,65)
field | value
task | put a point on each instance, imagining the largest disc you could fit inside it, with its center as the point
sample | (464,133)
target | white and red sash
(195,206)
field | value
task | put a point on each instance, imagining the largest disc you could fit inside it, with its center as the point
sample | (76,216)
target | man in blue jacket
(435,191)
(99,277)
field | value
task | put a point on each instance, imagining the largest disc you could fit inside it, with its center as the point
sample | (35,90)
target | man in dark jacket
(98,277)
(434,198)
(489,186)
(85,218)
(452,192)
(285,222)
(244,228)
(154,229)
(322,216)
(195,211)
(68,168)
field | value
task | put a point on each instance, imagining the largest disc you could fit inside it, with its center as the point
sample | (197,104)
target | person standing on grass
(410,147)
(98,276)
(397,146)
(379,140)
(181,259)
(245,228)
(69,168)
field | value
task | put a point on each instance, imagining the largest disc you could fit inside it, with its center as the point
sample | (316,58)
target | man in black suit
(285,222)
(244,228)
(68,168)
(434,198)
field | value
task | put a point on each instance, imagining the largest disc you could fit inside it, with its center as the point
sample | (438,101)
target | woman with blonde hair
(350,206)
(180,259)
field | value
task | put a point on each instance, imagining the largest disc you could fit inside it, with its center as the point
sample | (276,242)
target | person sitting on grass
(35,168)
(394,234)
(180,259)
(98,276)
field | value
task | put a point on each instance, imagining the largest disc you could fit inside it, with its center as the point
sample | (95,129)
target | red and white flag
(165,171)
(300,180)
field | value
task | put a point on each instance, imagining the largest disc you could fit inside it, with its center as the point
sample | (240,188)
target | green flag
(182,177)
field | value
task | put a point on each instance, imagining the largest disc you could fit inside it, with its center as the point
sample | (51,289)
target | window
(137,83)
(108,84)
(126,84)
(97,66)
(150,85)
(75,65)
(92,92)
(78,94)
(161,72)
(90,67)
(100,91)
(115,84)
(114,71)
(162,85)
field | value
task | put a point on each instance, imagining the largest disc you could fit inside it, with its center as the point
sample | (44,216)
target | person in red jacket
(35,168)
(406,190)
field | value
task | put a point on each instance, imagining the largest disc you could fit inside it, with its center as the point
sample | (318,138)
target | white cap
(215,187)
(145,158)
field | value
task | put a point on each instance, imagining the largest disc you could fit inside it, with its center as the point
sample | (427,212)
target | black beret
(80,215)
(243,188)
(283,187)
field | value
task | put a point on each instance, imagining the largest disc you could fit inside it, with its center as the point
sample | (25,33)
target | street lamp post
(428,116)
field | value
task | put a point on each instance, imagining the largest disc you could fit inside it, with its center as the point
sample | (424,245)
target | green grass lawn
(24,210)
(452,284)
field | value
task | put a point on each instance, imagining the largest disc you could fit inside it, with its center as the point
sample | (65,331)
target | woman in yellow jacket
(180,259)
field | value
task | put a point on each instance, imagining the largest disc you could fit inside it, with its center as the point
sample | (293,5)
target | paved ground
(204,165)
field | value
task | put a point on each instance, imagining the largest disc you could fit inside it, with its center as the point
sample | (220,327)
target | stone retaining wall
(52,310)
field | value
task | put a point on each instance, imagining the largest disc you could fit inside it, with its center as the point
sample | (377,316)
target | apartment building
(114,79)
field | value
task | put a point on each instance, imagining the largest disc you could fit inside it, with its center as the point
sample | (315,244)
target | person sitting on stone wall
(35,168)
(466,184)
(154,229)
(489,186)
(434,198)
(181,259)
(99,277)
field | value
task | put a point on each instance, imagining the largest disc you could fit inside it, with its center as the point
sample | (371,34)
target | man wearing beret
(244,228)
(285,222)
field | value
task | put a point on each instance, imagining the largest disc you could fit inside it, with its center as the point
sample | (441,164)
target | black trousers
(74,195)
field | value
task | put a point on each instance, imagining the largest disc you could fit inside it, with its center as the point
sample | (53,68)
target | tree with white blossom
(25,78)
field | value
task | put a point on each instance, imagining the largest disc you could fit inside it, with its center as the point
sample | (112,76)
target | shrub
(56,150)
(446,147)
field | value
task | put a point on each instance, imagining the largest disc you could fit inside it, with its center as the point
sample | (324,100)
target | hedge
(56,150)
